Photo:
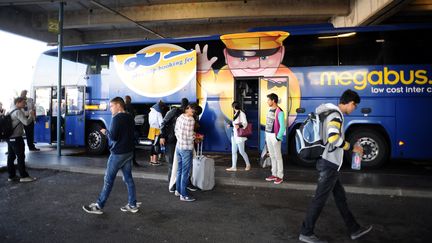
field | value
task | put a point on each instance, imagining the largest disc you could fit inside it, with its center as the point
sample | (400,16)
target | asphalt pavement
(49,210)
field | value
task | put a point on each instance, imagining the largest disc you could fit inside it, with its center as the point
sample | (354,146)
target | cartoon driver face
(249,55)
(243,65)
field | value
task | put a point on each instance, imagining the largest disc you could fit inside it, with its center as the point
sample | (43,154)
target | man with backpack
(328,167)
(167,136)
(15,141)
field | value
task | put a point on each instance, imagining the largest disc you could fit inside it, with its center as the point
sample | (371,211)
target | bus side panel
(413,127)
(42,129)
(103,116)
(75,127)
(214,127)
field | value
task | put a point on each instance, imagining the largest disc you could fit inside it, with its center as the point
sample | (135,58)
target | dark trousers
(29,131)
(16,149)
(328,182)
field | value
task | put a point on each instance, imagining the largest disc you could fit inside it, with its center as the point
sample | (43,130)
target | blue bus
(389,66)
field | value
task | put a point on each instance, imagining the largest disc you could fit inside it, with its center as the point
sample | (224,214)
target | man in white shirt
(29,129)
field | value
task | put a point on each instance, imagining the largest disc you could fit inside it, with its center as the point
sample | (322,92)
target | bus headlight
(101,107)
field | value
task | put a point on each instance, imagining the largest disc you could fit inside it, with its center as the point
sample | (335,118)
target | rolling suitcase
(203,171)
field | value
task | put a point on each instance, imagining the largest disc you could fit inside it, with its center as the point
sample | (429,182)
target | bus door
(75,116)
(279,86)
(54,112)
(42,133)
(246,93)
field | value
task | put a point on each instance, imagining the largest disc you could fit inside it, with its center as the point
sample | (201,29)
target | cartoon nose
(254,63)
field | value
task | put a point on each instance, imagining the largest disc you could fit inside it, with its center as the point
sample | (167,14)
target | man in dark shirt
(129,109)
(121,140)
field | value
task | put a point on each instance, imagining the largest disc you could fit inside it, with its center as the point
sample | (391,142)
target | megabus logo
(158,70)
(388,79)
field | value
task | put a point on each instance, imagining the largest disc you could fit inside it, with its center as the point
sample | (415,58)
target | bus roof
(293,30)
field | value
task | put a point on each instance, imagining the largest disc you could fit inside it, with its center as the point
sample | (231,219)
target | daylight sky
(19,57)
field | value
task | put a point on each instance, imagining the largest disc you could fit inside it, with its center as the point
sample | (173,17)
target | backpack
(6,128)
(309,137)
(168,128)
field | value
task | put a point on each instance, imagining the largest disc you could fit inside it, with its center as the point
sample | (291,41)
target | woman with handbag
(238,142)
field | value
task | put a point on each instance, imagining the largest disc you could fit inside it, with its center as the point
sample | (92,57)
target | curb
(380,191)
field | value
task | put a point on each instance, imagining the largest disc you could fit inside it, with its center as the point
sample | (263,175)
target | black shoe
(192,188)
(360,232)
(34,149)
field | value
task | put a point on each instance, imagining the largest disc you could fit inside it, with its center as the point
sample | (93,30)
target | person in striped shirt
(328,167)
(184,132)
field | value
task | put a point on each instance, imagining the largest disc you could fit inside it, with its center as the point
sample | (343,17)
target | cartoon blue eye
(264,58)
(243,59)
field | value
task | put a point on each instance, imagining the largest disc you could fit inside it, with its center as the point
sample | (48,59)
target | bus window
(407,47)
(95,61)
(43,98)
(55,103)
(74,102)
(310,50)
(362,48)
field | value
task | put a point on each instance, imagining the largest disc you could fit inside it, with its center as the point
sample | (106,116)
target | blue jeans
(184,158)
(114,164)
(328,183)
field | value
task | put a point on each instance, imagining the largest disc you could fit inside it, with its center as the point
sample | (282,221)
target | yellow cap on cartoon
(254,40)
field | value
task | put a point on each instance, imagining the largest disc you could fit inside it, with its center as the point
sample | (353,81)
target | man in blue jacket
(121,139)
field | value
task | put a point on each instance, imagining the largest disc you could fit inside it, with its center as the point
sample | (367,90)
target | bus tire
(294,156)
(375,146)
(96,143)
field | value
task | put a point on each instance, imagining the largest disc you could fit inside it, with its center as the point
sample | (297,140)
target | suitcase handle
(199,149)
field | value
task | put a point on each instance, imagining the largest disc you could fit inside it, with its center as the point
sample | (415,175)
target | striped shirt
(184,131)
(334,135)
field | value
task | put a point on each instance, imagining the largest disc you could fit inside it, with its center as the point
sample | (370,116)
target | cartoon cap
(254,43)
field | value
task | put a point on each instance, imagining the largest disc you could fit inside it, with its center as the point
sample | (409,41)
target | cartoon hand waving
(204,64)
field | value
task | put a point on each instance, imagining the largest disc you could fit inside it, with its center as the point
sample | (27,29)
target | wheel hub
(370,149)
(94,140)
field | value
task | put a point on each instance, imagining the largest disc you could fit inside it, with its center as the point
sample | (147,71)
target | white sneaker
(176,193)
(93,208)
(27,179)
(128,208)
(231,169)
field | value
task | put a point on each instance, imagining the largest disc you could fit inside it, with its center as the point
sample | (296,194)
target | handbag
(245,132)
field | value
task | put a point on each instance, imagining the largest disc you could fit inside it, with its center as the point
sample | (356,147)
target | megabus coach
(389,66)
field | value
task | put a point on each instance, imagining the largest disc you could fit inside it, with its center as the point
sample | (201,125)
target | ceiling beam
(206,10)
(173,31)
(21,23)
(369,12)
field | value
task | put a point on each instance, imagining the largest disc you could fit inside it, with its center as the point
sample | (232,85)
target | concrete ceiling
(87,21)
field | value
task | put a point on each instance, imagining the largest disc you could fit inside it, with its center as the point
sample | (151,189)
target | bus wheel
(375,147)
(294,156)
(97,143)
